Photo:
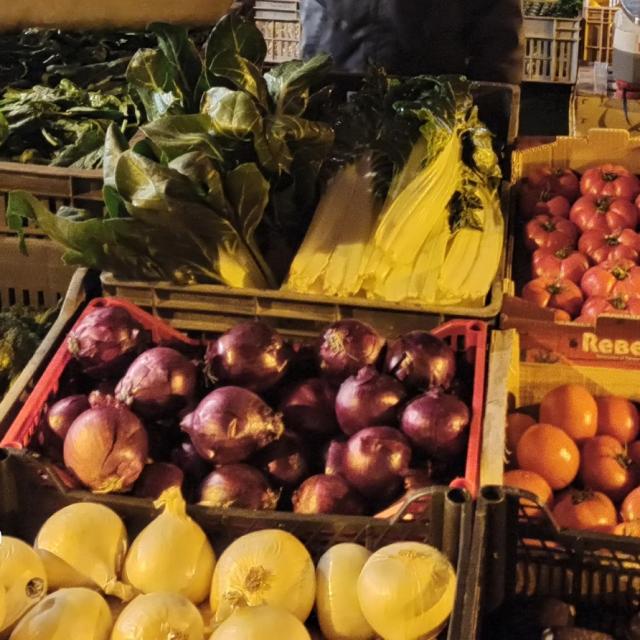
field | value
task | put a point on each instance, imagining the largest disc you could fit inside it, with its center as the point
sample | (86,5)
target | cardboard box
(70,14)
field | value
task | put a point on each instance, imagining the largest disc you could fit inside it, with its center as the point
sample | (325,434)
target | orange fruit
(517,424)
(572,408)
(551,453)
(534,483)
(617,417)
(585,511)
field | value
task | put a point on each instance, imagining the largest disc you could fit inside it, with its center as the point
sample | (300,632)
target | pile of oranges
(581,459)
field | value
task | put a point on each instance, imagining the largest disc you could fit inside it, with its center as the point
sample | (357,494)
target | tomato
(562,182)
(549,452)
(619,306)
(549,232)
(604,245)
(555,293)
(565,263)
(606,214)
(534,483)
(606,467)
(585,511)
(618,417)
(561,316)
(609,180)
(534,203)
(630,509)
(629,529)
(572,408)
(517,424)
(612,278)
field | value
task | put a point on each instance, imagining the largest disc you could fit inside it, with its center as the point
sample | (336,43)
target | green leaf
(182,56)
(4,129)
(236,35)
(241,72)
(173,136)
(233,113)
(248,192)
(289,83)
(115,144)
(153,78)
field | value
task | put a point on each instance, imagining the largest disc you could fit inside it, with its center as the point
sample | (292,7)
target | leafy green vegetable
(62,126)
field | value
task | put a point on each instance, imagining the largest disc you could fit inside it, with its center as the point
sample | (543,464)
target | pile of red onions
(106,341)
(251,355)
(385,414)
(230,424)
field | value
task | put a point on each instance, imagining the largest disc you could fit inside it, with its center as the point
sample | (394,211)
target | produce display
(172,584)
(553,8)
(345,424)
(581,234)
(579,454)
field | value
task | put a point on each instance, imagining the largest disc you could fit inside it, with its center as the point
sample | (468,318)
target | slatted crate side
(279,22)
(54,186)
(598,33)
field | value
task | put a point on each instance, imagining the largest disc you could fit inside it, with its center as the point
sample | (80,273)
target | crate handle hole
(26,298)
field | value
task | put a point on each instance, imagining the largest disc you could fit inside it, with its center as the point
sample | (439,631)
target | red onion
(421,360)
(64,412)
(156,478)
(187,458)
(373,461)
(285,460)
(346,346)
(251,355)
(160,382)
(106,341)
(437,423)
(230,424)
(237,486)
(368,399)
(326,494)
(309,408)
(106,448)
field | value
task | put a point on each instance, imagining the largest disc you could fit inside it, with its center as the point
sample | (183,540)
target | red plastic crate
(469,336)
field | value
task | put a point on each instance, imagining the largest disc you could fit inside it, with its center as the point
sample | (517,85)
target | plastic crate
(598,33)
(468,338)
(279,22)
(74,297)
(551,49)
(516,557)
(29,494)
(54,186)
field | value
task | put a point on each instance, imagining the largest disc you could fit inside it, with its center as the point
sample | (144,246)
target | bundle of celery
(411,211)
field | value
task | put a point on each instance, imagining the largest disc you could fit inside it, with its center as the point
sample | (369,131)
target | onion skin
(160,382)
(308,408)
(62,414)
(367,399)
(326,494)
(346,346)
(237,486)
(373,461)
(186,458)
(106,448)
(250,355)
(156,478)
(285,460)
(106,341)
(421,360)
(437,423)
(230,424)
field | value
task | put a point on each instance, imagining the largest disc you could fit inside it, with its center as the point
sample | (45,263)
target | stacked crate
(598,31)
(279,21)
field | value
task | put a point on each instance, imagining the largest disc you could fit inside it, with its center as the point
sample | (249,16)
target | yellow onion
(264,567)
(406,591)
(23,580)
(171,553)
(159,616)
(337,603)
(67,614)
(84,545)
(261,623)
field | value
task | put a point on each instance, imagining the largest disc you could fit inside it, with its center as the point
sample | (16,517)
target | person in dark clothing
(478,38)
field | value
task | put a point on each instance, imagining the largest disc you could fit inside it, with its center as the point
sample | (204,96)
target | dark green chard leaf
(241,73)
(4,129)
(233,113)
(289,83)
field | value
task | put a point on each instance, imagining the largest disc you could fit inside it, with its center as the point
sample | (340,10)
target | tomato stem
(612,241)
(603,204)
(563,253)
(578,497)
(618,303)
(619,273)
(609,176)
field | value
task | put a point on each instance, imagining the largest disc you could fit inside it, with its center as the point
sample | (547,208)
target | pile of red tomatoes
(583,239)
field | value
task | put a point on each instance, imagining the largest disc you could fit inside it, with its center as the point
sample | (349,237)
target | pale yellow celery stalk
(330,255)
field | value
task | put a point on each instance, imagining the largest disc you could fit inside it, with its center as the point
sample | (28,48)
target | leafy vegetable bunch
(224,175)
(62,126)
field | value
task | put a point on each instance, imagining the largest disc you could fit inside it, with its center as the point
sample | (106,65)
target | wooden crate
(279,22)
